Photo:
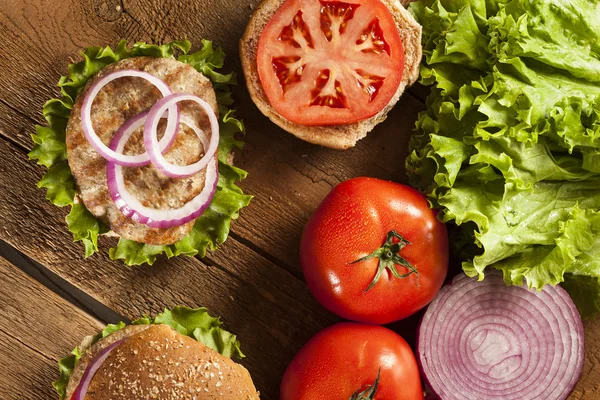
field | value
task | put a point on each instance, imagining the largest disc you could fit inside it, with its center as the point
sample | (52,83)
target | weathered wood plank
(588,387)
(40,38)
(55,283)
(37,328)
(289,178)
(272,312)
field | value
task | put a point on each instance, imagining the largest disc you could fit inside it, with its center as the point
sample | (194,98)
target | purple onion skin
(431,394)
(77,394)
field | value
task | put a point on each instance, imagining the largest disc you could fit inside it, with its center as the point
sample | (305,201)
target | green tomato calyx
(389,256)
(369,392)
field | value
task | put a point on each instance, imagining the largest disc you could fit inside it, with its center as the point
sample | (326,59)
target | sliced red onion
(154,218)
(91,370)
(486,340)
(109,154)
(151,136)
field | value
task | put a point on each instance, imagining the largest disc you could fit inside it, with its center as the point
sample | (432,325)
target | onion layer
(91,370)
(109,154)
(154,218)
(486,340)
(151,136)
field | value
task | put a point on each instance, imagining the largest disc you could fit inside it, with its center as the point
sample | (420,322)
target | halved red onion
(91,370)
(109,154)
(154,218)
(151,136)
(486,340)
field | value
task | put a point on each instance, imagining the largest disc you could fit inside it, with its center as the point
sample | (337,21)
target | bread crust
(117,102)
(156,362)
(334,136)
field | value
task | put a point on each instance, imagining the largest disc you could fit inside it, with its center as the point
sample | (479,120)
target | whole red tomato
(350,361)
(374,251)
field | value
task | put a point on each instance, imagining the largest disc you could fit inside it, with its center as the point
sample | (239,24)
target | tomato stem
(389,256)
(369,392)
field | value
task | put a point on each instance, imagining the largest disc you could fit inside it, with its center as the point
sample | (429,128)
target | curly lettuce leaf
(197,323)
(212,228)
(509,145)
(85,228)
(193,322)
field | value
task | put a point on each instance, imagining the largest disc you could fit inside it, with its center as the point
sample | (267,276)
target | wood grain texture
(37,328)
(271,311)
(588,387)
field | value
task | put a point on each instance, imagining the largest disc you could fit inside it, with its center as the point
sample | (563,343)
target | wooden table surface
(254,281)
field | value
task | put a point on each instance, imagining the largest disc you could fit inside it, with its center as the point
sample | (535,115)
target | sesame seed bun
(334,136)
(157,362)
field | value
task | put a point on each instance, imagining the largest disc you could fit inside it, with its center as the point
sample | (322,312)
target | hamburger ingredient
(119,101)
(483,339)
(109,154)
(151,136)
(510,142)
(334,136)
(325,62)
(195,323)
(133,208)
(353,360)
(212,228)
(95,364)
(165,108)
(374,251)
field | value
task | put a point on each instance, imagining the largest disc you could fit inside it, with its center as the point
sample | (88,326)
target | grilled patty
(117,102)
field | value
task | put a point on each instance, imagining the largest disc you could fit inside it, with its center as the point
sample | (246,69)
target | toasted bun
(157,362)
(334,136)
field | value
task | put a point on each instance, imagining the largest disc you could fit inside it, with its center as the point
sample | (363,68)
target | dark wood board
(254,282)
(37,328)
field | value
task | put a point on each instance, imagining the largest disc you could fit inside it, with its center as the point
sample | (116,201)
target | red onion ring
(91,370)
(486,340)
(151,136)
(133,208)
(110,155)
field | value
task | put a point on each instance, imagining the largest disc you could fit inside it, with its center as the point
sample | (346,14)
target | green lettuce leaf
(212,228)
(197,323)
(509,145)
(193,322)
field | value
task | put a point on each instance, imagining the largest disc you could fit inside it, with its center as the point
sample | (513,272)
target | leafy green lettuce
(509,146)
(193,322)
(212,228)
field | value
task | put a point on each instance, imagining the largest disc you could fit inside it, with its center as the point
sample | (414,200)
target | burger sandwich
(140,146)
(181,354)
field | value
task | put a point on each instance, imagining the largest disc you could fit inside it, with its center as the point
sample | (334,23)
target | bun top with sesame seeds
(157,362)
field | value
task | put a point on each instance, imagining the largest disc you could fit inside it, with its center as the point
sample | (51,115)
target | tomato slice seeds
(326,62)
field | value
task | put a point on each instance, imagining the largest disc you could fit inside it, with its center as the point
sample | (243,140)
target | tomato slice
(325,62)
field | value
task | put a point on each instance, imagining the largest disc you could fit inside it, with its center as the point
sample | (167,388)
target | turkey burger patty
(113,106)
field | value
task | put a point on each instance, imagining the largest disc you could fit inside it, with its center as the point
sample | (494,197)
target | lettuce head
(509,145)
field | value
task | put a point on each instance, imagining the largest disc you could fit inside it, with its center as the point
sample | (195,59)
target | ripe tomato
(374,251)
(324,62)
(351,361)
